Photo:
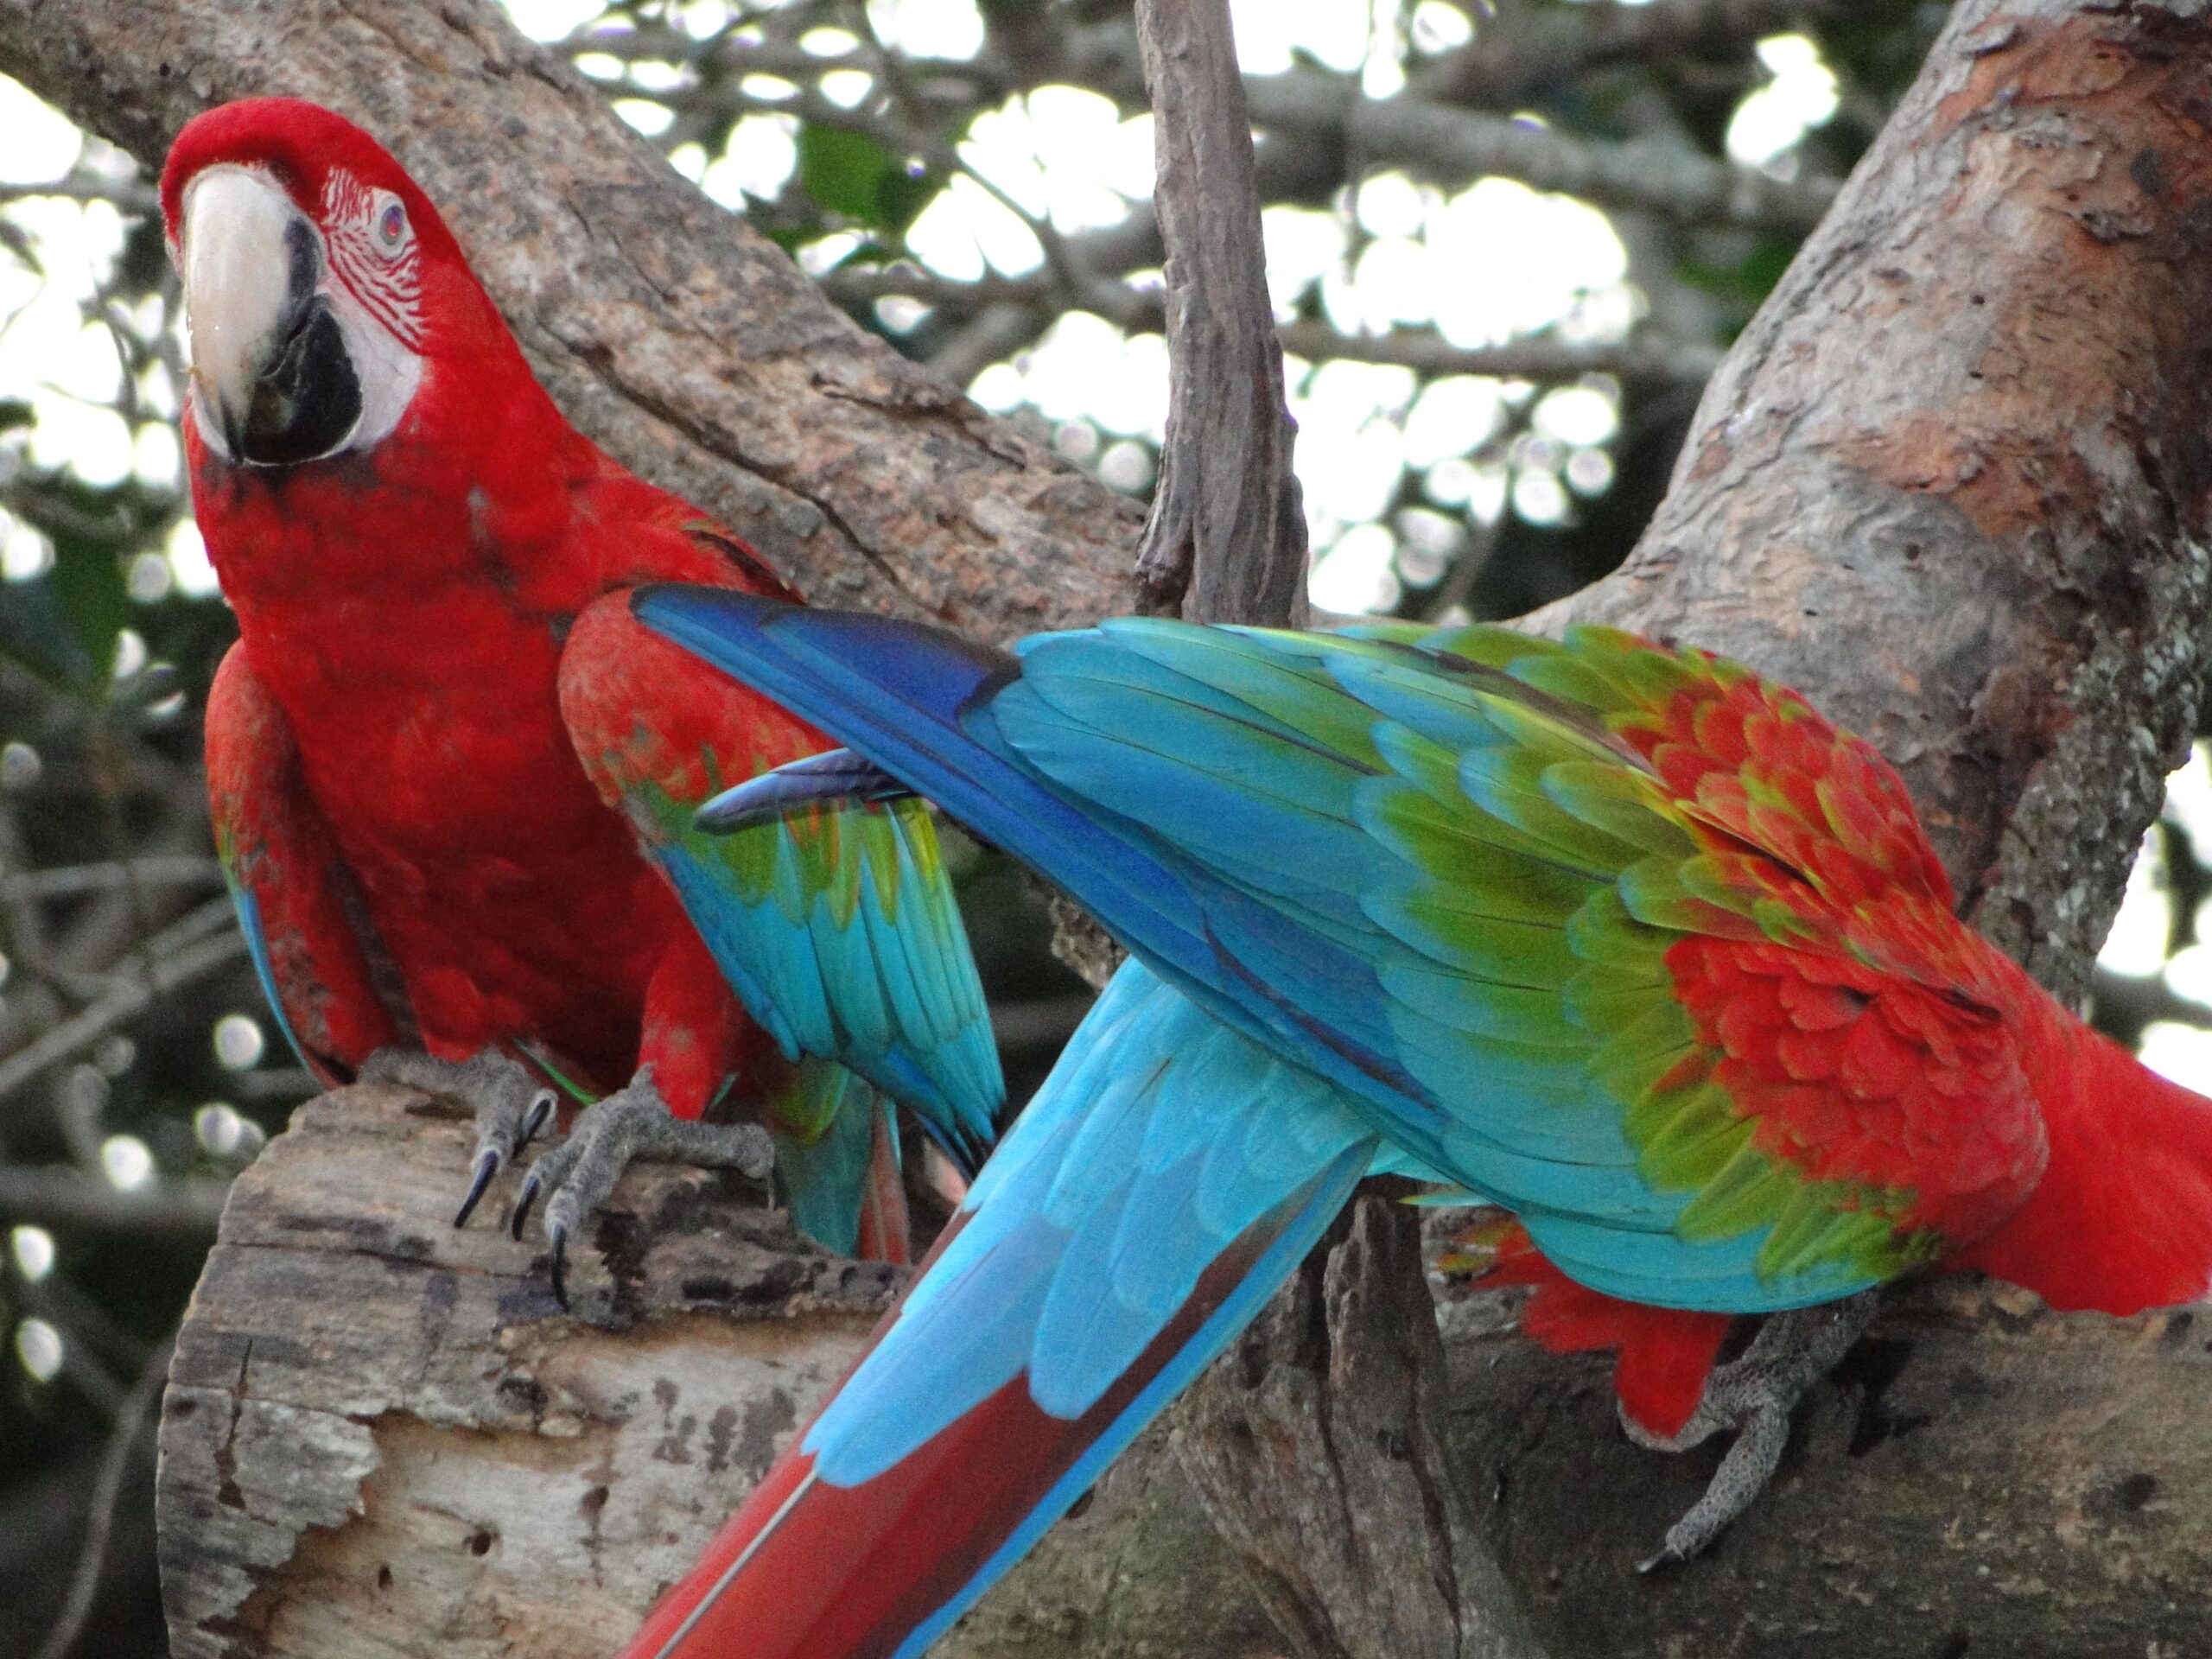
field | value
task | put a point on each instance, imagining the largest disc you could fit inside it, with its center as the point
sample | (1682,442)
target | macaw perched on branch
(453,779)
(1625,939)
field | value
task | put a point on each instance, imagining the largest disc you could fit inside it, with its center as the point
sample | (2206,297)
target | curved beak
(270,372)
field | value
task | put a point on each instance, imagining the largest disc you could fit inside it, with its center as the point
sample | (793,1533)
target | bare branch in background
(185,1207)
(166,971)
(131,1418)
(1644,359)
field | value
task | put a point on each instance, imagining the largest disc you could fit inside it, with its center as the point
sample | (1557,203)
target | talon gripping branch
(453,779)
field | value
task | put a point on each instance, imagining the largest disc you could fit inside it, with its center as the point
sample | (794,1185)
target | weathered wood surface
(379,1425)
(384,1439)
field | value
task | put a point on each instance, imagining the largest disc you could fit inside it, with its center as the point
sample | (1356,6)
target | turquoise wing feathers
(1454,874)
(841,933)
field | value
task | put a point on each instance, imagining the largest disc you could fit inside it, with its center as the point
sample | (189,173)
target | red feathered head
(319,283)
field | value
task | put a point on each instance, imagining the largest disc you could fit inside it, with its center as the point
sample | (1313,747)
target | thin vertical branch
(131,1419)
(1226,516)
(1317,1443)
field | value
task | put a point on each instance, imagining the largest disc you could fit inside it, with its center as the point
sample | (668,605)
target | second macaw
(453,779)
(1623,939)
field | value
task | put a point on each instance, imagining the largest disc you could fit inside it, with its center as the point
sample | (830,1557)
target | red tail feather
(1662,1356)
(806,1570)
(886,1228)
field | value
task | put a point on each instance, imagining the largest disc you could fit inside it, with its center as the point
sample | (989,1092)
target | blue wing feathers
(1346,851)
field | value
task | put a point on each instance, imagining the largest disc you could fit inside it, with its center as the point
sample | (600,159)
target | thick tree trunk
(1951,483)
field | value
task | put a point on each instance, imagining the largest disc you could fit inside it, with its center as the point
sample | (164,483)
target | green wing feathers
(1663,954)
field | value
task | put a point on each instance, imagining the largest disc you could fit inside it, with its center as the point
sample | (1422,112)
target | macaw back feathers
(1570,918)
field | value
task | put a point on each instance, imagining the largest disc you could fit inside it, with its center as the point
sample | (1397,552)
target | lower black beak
(307,402)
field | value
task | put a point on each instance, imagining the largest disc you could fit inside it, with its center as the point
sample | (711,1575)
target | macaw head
(319,282)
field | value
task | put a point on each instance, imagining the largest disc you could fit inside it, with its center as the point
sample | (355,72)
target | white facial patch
(245,247)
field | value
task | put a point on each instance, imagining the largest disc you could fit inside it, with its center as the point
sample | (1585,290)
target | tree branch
(1644,359)
(131,996)
(1435,141)
(184,1207)
(130,1421)
(1225,512)
(1953,481)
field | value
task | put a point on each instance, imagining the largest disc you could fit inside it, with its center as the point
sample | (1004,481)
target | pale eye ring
(391,223)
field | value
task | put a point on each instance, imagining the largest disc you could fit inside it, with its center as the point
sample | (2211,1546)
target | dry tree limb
(1226,514)
(134,1412)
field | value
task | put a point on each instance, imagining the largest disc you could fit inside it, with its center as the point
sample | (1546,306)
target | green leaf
(36,631)
(851,174)
(89,580)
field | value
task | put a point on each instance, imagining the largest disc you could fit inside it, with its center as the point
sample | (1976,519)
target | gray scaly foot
(624,1127)
(1754,1395)
(511,1105)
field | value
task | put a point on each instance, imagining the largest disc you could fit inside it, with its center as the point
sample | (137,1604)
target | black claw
(541,1108)
(1668,1556)
(487,1166)
(531,1188)
(557,1239)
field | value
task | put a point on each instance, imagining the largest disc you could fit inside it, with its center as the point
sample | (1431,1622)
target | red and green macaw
(1625,939)
(453,777)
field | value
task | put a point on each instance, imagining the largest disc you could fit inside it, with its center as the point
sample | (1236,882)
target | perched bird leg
(633,1123)
(1754,1395)
(511,1105)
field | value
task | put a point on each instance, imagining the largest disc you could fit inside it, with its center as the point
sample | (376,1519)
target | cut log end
(381,1436)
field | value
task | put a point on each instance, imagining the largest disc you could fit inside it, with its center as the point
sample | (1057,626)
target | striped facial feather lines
(373,251)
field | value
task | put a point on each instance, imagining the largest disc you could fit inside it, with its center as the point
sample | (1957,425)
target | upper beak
(269,365)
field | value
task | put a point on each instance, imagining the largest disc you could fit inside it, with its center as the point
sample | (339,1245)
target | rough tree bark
(1226,513)
(1951,482)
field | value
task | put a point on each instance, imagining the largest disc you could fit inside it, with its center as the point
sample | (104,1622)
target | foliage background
(1506,244)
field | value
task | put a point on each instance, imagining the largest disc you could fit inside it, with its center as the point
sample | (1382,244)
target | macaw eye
(391,227)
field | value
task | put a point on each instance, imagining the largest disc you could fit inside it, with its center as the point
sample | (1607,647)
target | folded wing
(839,930)
(1623,939)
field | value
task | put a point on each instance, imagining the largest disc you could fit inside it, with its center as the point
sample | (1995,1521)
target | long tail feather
(975,1421)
